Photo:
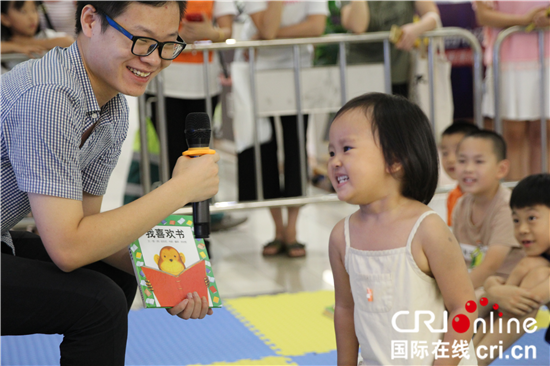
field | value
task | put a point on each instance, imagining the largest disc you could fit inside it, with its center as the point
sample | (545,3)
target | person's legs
(293,180)
(88,307)
(515,135)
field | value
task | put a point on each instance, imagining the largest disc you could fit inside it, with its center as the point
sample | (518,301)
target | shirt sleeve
(222,8)
(252,7)
(317,8)
(46,141)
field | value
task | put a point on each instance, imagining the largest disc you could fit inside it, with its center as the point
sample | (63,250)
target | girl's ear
(394,168)
(5,20)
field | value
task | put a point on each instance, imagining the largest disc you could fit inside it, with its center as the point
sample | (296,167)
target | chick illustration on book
(170,260)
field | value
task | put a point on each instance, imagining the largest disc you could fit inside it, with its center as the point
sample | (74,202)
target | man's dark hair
(531,191)
(499,145)
(405,137)
(460,127)
(115,8)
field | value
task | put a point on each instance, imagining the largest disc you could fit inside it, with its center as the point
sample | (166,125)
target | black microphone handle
(201,219)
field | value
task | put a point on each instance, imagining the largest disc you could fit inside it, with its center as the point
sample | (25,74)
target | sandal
(296,250)
(274,247)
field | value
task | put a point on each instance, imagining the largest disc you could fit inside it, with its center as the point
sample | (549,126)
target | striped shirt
(46,106)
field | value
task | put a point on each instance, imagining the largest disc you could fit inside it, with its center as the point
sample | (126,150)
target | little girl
(20,24)
(394,254)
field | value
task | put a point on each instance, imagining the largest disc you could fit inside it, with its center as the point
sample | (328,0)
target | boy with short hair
(528,286)
(481,218)
(450,138)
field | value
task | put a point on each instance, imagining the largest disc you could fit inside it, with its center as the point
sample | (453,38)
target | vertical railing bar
(387,67)
(161,129)
(206,74)
(543,102)
(301,133)
(343,64)
(144,167)
(256,128)
(431,81)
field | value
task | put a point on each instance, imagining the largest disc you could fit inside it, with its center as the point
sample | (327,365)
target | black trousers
(176,113)
(270,166)
(89,306)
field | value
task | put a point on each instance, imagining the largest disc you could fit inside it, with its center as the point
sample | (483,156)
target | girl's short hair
(406,137)
(4,6)
(531,191)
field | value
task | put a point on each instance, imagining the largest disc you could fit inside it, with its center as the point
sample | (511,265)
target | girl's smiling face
(356,166)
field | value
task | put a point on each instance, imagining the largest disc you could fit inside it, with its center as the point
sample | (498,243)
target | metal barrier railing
(543,97)
(331,39)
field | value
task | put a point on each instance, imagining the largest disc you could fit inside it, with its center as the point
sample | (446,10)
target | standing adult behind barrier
(270,20)
(374,16)
(21,33)
(519,77)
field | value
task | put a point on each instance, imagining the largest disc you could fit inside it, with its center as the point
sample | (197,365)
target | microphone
(197,134)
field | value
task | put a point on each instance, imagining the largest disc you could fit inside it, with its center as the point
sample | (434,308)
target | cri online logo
(461,323)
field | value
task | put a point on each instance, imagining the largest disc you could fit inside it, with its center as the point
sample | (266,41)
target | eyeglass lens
(144,47)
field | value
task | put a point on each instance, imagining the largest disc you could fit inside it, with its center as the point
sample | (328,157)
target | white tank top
(384,282)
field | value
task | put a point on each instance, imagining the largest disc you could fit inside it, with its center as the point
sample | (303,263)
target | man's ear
(503,168)
(89,18)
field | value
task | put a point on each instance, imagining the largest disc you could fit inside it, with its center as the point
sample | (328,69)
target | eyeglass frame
(159,46)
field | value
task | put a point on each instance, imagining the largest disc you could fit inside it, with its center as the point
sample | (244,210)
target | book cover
(169,263)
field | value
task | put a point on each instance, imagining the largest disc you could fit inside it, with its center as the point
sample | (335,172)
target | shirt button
(94,115)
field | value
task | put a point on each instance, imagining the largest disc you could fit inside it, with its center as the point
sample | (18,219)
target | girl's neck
(384,207)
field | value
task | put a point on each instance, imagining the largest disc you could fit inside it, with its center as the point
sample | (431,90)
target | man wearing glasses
(63,121)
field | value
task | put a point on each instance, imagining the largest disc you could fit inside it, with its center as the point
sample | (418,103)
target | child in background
(528,286)
(481,218)
(393,254)
(450,138)
(20,30)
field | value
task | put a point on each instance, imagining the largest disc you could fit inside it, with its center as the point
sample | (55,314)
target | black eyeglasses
(144,46)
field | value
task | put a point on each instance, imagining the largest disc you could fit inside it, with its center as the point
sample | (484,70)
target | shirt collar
(80,71)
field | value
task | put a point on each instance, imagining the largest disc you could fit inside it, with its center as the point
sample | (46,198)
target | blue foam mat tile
(535,342)
(328,358)
(34,349)
(157,338)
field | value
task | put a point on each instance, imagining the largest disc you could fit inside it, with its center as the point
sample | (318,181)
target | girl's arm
(355,17)
(14,47)
(47,43)
(268,21)
(312,26)
(487,16)
(195,31)
(347,345)
(429,18)
(447,266)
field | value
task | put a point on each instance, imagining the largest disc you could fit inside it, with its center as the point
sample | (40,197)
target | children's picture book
(169,263)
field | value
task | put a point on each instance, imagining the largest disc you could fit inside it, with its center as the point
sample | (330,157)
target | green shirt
(384,14)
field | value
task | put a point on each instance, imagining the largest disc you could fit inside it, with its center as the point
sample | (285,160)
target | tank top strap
(346,231)
(415,227)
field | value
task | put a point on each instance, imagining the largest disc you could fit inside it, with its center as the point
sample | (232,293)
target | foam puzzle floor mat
(283,329)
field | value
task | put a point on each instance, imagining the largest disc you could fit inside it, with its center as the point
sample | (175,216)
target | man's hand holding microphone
(197,170)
